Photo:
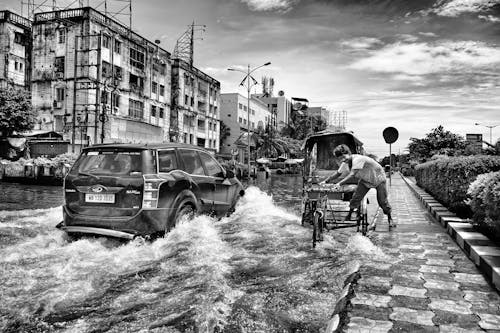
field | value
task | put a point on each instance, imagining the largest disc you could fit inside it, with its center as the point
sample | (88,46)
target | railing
(10,16)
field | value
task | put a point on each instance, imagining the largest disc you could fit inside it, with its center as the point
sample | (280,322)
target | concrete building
(95,80)
(195,117)
(15,50)
(234,114)
(280,107)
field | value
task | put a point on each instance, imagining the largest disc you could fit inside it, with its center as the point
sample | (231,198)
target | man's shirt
(367,170)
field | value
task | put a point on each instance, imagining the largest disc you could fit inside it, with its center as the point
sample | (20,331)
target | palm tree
(268,144)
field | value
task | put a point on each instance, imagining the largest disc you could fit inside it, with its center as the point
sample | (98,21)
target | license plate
(99,198)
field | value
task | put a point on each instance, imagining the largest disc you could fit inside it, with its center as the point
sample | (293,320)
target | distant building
(476,141)
(280,107)
(95,80)
(195,107)
(15,50)
(234,114)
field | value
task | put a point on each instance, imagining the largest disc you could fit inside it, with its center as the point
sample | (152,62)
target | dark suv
(130,190)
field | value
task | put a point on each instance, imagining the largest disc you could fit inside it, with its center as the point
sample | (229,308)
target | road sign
(390,134)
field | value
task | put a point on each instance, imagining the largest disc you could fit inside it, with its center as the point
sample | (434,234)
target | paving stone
(407,327)
(362,325)
(437,284)
(434,269)
(381,281)
(438,276)
(460,307)
(374,313)
(406,291)
(409,302)
(457,329)
(406,268)
(470,278)
(371,300)
(419,317)
(378,265)
(440,262)
(469,321)
(446,294)
(412,247)
(489,322)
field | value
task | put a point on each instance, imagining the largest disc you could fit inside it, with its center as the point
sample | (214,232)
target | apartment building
(235,114)
(15,50)
(195,112)
(95,80)
(280,107)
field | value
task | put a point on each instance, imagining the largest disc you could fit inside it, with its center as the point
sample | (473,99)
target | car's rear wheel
(185,212)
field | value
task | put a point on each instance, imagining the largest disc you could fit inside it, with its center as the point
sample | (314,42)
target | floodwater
(254,271)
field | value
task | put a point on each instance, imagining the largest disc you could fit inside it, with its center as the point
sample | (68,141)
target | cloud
(490,18)
(428,34)
(361,43)
(270,5)
(455,8)
(430,58)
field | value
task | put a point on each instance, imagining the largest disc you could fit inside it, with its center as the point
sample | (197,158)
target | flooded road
(254,271)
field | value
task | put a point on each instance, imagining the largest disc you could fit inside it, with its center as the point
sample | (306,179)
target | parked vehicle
(130,190)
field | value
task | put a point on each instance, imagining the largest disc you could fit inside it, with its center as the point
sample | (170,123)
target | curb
(483,252)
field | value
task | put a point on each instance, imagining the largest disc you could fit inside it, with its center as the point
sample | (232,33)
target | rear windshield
(119,163)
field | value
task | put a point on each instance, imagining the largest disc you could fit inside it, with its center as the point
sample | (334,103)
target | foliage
(484,194)
(448,179)
(16,113)
(269,144)
(438,141)
(225,131)
(302,125)
(17,168)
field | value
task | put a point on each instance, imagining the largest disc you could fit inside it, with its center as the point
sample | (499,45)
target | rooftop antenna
(184,48)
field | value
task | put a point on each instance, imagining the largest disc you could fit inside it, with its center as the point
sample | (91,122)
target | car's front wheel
(185,212)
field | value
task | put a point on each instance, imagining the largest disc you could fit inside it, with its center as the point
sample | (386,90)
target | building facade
(195,115)
(235,114)
(95,80)
(15,50)
(280,107)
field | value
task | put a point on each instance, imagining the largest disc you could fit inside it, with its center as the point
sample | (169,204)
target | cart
(325,207)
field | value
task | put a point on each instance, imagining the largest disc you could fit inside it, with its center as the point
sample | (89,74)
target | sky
(408,64)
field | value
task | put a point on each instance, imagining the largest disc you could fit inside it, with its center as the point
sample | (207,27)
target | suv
(130,190)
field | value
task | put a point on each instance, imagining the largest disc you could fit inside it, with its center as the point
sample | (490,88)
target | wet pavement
(424,282)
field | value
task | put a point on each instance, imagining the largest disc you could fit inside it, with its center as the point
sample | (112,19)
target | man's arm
(333,176)
(350,176)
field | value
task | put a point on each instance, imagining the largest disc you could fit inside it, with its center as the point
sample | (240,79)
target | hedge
(484,194)
(448,179)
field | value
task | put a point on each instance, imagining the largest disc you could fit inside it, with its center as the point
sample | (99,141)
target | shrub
(448,179)
(484,200)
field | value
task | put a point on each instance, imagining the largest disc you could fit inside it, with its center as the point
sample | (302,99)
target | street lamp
(490,127)
(249,86)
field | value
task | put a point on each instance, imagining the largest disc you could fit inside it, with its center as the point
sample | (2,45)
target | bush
(448,179)
(484,200)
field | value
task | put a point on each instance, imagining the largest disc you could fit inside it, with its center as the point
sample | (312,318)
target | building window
(154,88)
(240,106)
(19,38)
(118,73)
(20,66)
(161,112)
(115,99)
(62,36)
(106,69)
(59,64)
(186,99)
(105,41)
(253,124)
(153,111)
(201,125)
(162,90)
(135,109)
(244,121)
(136,82)
(240,120)
(136,58)
(59,94)
(118,47)
(16,65)
(244,108)
(253,111)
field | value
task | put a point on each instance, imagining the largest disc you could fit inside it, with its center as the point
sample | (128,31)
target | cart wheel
(317,228)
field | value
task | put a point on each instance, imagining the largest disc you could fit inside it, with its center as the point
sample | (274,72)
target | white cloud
(269,5)
(361,43)
(454,8)
(430,58)
(428,34)
(490,18)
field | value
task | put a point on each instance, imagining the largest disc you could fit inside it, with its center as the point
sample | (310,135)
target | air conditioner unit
(108,107)
(116,110)
(59,75)
(57,104)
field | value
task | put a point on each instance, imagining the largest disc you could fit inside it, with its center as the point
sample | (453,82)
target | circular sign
(390,134)
(234,152)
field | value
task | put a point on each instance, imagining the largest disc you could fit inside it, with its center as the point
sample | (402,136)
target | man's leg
(383,202)
(358,196)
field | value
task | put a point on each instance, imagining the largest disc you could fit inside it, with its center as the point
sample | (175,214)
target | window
(240,120)
(20,66)
(59,64)
(201,124)
(135,109)
(118,73)
(136,82)
(19,38)
(192,163)
(244,107)
(253,124)
(115,99)
(106,41)
(162,90)
(16,65)
(59,94)
(161,112)
(153,111)
(118,47)
(106,69)
(253,111)
(154,88)
(167,160)
(240,106)
(213,168)
(61,36)
(136,58)
(186,99)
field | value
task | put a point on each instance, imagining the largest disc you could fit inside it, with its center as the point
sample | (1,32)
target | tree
(268,143)
(16,113)
(301,126)
(225,131)
(437,142)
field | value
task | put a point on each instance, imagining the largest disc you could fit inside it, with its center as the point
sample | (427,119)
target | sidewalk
(426,284)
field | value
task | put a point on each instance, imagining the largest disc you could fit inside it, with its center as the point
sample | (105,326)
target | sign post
(390,135)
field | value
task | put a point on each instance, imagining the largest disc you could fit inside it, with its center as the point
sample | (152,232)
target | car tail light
(150,195)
